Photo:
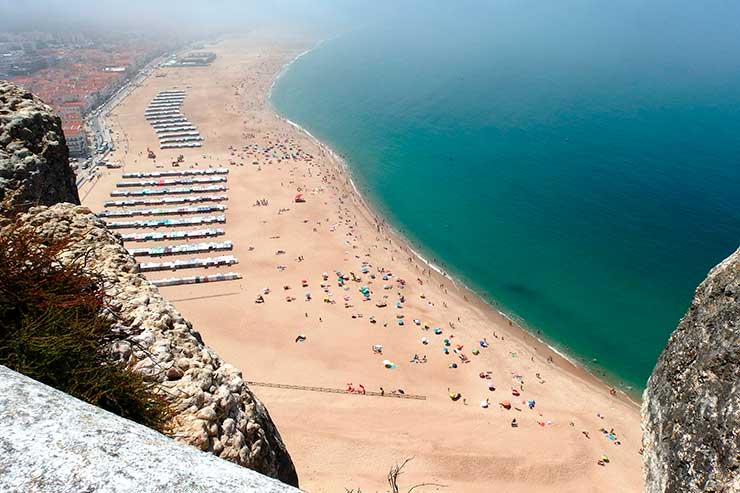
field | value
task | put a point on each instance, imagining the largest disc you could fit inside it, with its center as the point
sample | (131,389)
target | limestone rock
(34,159)
(95,450)
(691,406)
(215,410)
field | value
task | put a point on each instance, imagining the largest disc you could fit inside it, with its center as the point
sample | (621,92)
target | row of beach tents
(165,223)
(180,249)
(174,281)
(173,235)
(163,182)
(195,209)
(167,200)
(178,172)
(190,263)
(168,191)
(173,128)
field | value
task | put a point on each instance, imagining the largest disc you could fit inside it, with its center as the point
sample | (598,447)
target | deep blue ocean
(579,164)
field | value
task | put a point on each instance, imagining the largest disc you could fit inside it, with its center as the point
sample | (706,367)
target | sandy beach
(296,350)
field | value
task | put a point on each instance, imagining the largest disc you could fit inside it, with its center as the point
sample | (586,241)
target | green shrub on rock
(53,329)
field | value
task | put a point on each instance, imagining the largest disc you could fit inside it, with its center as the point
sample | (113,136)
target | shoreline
(338,229)
(628,394)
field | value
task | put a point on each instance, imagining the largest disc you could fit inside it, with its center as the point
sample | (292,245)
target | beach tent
(299,198)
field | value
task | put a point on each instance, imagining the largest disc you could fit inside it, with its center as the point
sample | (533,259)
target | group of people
(360,389)
(368,276)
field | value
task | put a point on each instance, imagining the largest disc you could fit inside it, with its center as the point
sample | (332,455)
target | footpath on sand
(395,394)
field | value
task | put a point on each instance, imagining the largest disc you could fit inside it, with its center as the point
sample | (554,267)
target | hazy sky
(187,15)
(690,20)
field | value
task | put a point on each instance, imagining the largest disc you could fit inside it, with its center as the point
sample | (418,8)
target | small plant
(397,470)
(52,329)
(393,473)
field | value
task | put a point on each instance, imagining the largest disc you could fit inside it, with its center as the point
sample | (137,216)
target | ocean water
(578,165)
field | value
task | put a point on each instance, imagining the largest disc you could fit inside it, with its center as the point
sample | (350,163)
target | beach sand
(343,440)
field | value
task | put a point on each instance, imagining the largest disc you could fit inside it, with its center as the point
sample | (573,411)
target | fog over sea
(577,163)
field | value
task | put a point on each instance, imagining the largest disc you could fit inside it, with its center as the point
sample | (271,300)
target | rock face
(99,451)
(34,159)
(215,411)
(691,407)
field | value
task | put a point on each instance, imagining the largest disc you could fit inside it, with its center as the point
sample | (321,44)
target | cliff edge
(34,159)
(99,451)
(214,410)
(691,407)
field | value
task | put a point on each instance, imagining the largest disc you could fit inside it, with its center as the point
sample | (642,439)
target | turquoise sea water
(580,166)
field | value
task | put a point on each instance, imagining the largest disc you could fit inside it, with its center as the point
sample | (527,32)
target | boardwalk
(336,391)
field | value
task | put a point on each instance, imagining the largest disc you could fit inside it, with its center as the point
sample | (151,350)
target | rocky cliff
(34,159)
(691,407)
(99,451)
(214,409)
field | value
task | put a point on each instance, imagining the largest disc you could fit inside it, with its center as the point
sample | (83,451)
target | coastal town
(82,75)
(285,247)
